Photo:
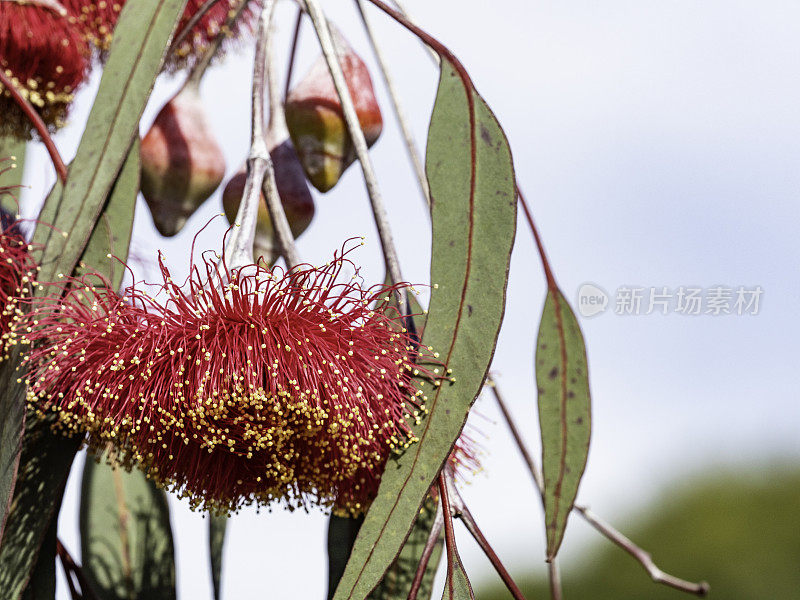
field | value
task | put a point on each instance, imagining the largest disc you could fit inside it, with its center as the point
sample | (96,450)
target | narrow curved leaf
(457,585)
(396,583)
(471,178)
(564,412)
(12,427)
(11,146)
(126,538)
(342,532)
(43,469)
(42,585)
(12,400)
(217,526)
(111,238)
(141,38)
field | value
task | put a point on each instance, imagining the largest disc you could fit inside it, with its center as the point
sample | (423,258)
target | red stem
(473,528)
(293,52)
(194,20)
(72,568)
(444,52)
(428,39)
(449,535)
(548,272)
(37,122)
(427,552)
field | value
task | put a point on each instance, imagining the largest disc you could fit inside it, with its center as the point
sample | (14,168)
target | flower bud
(316,120)
(182,163)
(295,197)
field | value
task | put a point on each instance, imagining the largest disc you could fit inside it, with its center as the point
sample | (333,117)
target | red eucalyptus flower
(98,19)
(17,271)
(46,58)
(292,387)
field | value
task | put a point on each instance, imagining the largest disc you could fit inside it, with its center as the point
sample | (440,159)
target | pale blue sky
(658,144)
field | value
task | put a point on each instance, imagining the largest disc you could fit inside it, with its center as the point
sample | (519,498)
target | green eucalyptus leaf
(562,379)
(42,585)
(457,585)
(141,38)
(471,177)
(126,538)
(43,469)
(217,526)
(342,532)
(12,147)
(12,427)
(106,239)
(111,238)
(396,583)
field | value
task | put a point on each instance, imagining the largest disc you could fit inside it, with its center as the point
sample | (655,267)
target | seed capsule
(316,120)
(182,163)
(293,191)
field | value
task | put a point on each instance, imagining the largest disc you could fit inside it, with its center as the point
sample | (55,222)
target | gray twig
(323,32)
(642,556)
(239,249)
(408,136)
(460,510)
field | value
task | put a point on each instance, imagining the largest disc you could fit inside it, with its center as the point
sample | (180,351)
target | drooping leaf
(43,469)
(471,177)
(109,242)
(217,526)
(141,38)
(42,585)
(126,538)
(12,147)
(115,240)
(457,585)
(12,426)
(342,532)
(396,583)
(564,412)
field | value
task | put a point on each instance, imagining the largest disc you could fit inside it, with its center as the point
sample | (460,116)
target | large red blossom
(291,387)
(98,18)
(17,271)
(46,57)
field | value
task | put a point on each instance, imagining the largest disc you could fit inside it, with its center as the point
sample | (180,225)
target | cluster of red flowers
(17,272)
(46,58)
(274,387)
(98,18)
(45,50)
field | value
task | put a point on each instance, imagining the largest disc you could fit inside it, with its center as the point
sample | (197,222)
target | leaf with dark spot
(564,414)
(466,177)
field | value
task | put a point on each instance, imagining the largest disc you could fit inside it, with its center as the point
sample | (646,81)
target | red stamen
(275,387)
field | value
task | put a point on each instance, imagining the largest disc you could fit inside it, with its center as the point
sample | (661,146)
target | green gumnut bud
(182,163)
(295,197)
(316,121)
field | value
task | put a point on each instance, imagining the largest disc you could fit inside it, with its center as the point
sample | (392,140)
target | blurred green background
(739,532)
